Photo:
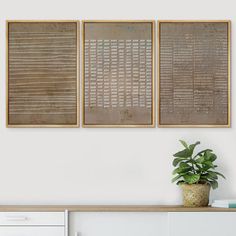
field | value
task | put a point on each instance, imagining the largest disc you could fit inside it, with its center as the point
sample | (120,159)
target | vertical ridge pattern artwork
(42,74)
(194,74)
(118,74)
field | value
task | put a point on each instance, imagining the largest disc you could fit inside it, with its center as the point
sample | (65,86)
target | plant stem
(192,165)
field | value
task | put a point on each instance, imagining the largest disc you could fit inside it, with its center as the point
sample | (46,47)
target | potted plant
(196,174)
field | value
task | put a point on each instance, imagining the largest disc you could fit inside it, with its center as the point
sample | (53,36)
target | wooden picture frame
(121,123)
(224,37)
(62,112)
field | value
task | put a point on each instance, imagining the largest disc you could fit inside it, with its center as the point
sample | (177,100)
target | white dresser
(33,223)
(116,221)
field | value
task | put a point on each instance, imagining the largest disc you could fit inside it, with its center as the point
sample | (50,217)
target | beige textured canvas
(42,74)
(118,74)
(194,73)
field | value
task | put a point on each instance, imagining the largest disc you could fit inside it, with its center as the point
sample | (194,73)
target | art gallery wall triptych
(118,73)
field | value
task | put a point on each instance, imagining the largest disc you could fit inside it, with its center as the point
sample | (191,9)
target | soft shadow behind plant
(197,168)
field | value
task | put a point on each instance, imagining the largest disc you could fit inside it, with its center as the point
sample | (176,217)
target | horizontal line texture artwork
(194,73)
(118,73)
(42,73)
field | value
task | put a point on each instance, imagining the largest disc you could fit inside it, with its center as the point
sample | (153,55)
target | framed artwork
(118,75)
(42,74)
(194,73)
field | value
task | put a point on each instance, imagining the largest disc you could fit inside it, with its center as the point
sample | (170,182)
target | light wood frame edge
(153,125)
(77,125)
(229,74)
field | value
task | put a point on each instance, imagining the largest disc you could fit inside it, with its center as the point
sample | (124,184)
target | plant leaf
(181,170)
(191,178)
(192,147)
(184,153)
(220,174)
(204,177)
(211,176)
(176,161)
(200,159)
(209,163)
(212,157)
(176,178)
(214,184)
(209,156)
(203,151)
(184,165)
(175,171)
(184,170)
(199,167)
(206,168)
(184,143)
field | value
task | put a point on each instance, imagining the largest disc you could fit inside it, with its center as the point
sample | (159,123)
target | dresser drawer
(32,218)
(32,231)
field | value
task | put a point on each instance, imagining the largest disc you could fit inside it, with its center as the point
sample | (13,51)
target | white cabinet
(118,224)
(33,224)
(202,223)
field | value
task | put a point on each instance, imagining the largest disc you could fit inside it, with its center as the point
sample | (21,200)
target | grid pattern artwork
(118,75)
(194,73)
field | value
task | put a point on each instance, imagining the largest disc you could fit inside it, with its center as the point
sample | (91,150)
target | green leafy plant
(197,168)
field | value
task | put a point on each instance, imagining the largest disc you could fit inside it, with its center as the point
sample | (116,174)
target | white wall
(104,166)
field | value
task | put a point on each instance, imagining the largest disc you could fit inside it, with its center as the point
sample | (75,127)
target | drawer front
(32,231)
(202,223)
(32,218)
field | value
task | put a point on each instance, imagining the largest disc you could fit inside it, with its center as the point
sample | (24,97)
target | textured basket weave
(195,195)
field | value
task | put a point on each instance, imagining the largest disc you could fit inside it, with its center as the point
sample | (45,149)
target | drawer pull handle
(16,218)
